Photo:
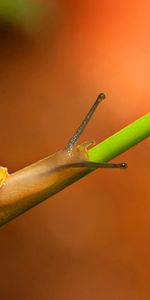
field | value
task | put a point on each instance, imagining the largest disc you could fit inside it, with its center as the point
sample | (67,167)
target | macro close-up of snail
(33,184)
(74,150)
(25,188)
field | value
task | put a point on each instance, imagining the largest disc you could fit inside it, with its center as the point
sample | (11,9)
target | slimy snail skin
(29,186)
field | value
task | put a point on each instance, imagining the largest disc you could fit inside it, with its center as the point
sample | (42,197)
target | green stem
(122,140)
(29,186)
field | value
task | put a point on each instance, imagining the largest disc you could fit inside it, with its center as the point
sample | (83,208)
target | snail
(29,186)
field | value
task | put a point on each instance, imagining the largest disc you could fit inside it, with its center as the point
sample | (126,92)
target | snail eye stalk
(85,121)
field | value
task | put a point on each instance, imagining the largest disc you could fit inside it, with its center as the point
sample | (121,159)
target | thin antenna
(85,121)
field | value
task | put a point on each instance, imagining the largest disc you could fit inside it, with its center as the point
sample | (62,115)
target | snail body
(29,186)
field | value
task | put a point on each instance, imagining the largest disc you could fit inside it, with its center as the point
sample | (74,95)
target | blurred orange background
(91,241)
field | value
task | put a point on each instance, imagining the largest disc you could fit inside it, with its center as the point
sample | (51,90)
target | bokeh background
(91,241)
